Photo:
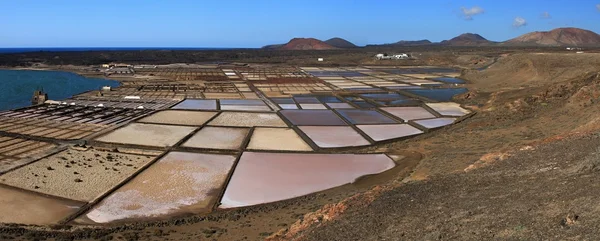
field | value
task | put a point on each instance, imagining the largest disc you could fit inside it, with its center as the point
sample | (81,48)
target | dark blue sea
(17,86)
(25,50)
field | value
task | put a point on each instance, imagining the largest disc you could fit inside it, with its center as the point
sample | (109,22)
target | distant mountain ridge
(558,37)
(555,37)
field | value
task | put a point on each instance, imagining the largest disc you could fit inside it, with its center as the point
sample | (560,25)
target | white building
(395,56)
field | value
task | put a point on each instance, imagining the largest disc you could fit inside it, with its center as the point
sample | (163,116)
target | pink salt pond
(178,183)
(268,177)
(334,136)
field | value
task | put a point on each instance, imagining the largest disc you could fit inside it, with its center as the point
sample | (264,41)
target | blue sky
(254,23)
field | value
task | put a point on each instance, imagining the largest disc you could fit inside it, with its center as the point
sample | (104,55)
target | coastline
(80,74)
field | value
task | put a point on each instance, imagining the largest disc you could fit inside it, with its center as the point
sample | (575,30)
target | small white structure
(395,56)
(320,59)
(131,97)
(400,56)
(52,102)
(140,107)
(106,88)
(106,66)
(100,105)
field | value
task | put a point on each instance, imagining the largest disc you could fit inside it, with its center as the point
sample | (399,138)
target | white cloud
(546,15)
(468,13)
(598,7)
(519,22)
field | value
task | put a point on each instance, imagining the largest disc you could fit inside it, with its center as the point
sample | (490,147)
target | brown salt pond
(227,138)
(388,132)
(191,104)
(76,175)
(147,134)
(279,139)
(179,117)
(269,177)
(334,136)
(409,113)
(178,183)
(28,208)
(243,119)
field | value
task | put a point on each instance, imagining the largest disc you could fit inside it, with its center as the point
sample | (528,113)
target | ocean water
(17,86)
(25,50)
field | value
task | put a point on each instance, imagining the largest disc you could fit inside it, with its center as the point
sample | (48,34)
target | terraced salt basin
(334,136)
(179,117)
(178,183)
(389,132)
(27,208)
(192,104)
(243,119)
(436,123)
(226,138)
(147,134)
(76,175)
(262,177)
(277,139)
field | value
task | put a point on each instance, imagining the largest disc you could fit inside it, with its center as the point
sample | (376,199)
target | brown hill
(558,37)
(467,39)
(340,43)
(306,44)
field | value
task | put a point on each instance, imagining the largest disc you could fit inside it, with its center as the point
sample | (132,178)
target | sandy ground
(74,174)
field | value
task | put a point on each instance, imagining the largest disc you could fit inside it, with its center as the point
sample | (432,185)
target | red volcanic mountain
(467,39)
(558,37)
(306,44)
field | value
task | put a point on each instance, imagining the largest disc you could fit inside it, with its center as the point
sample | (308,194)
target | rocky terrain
(558,37)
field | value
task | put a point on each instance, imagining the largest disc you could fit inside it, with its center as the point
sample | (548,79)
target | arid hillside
(521,168)
(558,37)
(533,69)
